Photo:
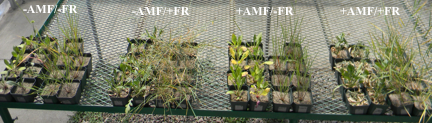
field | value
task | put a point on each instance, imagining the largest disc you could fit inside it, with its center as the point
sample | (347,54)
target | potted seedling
(300,77)
(351,76)
(302,95)
(33,72)
(356,101)
(422,104)
(119,91)
(236,49)
(236,76)
(375,89)
(239,93)
(282,98)
(256,72)
(339,51)
(256,50)
(5,89)
(259,95)
(30,44)
(22,90)
(141,87)
(71,34)
(72,86)
(358,51)
(13,71)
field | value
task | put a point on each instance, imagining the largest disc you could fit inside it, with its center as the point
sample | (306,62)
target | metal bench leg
(4,112)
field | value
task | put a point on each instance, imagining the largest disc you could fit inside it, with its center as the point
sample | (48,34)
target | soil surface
(26,87)
(292,66)
(9,87)
(68,90)
(57,74)
(18,73)
(263,99)
(419,104)
(36,71)
(38,57)
(417,86)
(343,54)
(361,101)
(50,90)
(243,97)
(281,98)
(278,65)
(304,81)
(379,100)
(61,58)
(251,63)
(306,97)
(396,99)
(76,75)
(124,93)
(85,61)
(278,80)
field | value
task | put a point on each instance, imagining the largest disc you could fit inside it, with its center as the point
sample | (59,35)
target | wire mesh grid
(107,24)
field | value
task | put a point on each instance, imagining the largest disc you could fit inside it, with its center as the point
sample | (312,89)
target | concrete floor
(13,25)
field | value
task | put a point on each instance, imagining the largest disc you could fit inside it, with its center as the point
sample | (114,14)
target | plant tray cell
(28,97)
(333,61)
(6,98)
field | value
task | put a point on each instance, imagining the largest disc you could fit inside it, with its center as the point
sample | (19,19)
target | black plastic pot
(375,109)
(28,97)
(139,100)
(419,112)
(161,104)
(89,66)
(240,106)
(401,110)
(232,87)
(183,104)
(333,61)
(120,101)
(261,106)
(356,109)
(295,45)
(283,107)
(51,99)
(302,108)
(7,97)
(272,72)
(75,99)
